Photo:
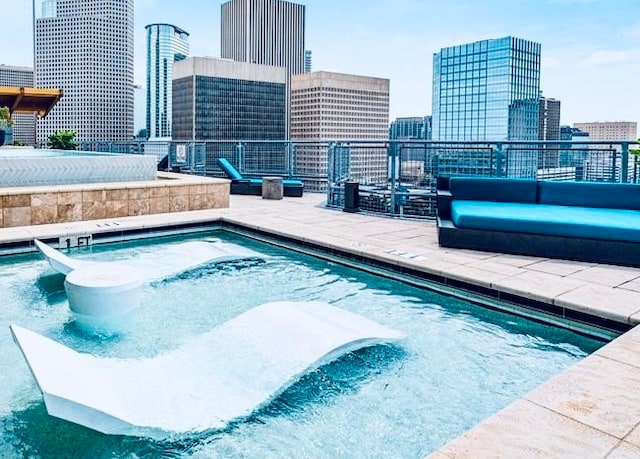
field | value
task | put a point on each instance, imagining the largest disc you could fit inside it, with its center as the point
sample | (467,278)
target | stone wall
(26,206)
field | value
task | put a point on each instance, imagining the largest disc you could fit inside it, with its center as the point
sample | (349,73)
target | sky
(590,48)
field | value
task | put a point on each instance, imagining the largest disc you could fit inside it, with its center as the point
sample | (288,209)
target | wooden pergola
(29,100)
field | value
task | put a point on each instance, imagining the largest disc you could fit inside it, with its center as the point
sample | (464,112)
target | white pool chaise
(104,295)
(164,262)
(213,379)
(58,260)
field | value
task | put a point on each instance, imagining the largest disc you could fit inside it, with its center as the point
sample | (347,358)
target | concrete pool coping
(591,410)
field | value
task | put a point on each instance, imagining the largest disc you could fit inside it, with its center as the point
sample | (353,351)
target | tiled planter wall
(69,203)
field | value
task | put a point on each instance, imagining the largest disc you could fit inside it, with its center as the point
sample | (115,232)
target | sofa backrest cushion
(493,189)
(590,194)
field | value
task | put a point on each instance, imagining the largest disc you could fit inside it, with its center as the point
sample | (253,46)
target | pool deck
(591,410)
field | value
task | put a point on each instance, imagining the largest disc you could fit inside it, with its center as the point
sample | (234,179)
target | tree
(635,151)
(5,118)
(63,140)
(5,123)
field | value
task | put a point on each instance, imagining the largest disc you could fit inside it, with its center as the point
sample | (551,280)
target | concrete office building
(24,124)
(549,119)
(327,106)
(166,44)
(549,130)
(269,32)
(219,99)
(599,164)
(610,130)
(86,49)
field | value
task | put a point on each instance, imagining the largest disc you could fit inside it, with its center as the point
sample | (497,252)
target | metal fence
(414,166)
(395,177)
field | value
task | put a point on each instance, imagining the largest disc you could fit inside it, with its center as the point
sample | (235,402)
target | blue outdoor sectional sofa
(253,186)
(585,221)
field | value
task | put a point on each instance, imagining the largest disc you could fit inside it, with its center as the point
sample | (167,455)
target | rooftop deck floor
(591,410)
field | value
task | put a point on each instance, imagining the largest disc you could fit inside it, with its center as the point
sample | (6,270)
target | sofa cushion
(493,189)
(550,220)
(590,194)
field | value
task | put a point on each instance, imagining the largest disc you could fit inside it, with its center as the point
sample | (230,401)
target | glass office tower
(411,128)
(487,90)
(166,44)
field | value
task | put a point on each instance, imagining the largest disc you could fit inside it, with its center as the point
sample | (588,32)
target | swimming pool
(459,363)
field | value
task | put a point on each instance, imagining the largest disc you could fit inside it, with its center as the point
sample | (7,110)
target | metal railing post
(331,153)
(499,154)
(392,154)
(291,154)
(240,156)
(624,167)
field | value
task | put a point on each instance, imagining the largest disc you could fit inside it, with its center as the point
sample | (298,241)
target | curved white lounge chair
(104,295)
(215,378)
(164,262)
(58,260)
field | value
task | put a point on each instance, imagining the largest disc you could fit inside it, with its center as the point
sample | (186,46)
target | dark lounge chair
(240,185)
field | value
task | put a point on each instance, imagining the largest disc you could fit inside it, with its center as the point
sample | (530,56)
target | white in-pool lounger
(164,262)
(217,377)
(58,260)
(104,295)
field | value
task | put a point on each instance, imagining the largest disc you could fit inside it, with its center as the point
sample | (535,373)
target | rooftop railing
(398,177)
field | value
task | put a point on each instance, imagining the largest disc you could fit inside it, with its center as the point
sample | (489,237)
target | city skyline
(590,50)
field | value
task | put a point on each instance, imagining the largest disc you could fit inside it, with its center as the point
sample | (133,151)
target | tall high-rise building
(219,99)
(487,90)
(269,32)
(411,158)
(411,128)
(86,49)
(549,119)
(548,130)
(328,106)
(599,163)
(610,130)
(308,60)
(166,44)
(24,124)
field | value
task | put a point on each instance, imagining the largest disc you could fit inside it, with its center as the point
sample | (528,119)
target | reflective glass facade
(416,128)
(228,109)
(166,44)
(487,90)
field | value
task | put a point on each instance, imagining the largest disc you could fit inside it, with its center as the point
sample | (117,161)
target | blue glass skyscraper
(166,44)
(487,90)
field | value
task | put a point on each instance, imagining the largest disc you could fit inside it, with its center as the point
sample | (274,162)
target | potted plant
(62,140)
(5,123)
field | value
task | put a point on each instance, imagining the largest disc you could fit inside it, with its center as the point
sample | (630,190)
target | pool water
(27,152)
(458,364)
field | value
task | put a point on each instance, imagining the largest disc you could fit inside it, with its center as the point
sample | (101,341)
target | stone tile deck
(591,410)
